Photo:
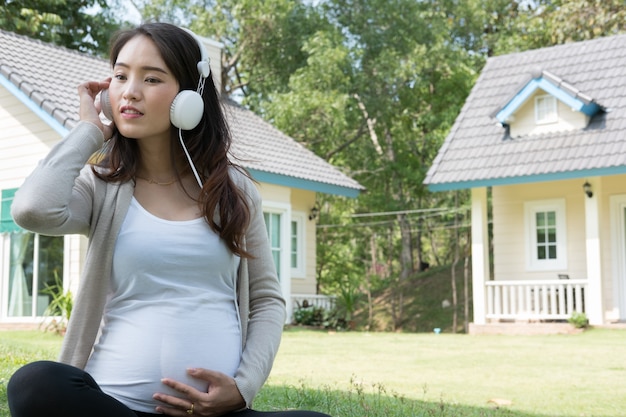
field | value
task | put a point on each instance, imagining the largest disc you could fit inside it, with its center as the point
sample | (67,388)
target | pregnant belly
(129,363)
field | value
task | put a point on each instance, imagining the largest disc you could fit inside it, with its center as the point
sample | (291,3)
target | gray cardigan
(63,196)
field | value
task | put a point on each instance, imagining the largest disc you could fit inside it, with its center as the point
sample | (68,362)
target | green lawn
(400,375)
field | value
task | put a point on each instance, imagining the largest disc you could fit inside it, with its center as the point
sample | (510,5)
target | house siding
(509,245)
(25,140)
(611,186)
(510,236)
(525,123)
(300,201)
(303,201)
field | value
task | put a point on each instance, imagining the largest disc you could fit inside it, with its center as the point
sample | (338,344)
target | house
(39,105)
(541,144)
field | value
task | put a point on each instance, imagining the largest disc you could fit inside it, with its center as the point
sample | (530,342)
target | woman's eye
(120,77)
(152,80)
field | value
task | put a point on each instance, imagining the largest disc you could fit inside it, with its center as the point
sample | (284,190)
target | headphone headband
(204,68)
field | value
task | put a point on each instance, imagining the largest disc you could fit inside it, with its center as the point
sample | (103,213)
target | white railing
(535,300)
(326,302)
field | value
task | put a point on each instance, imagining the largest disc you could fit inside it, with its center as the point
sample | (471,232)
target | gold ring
(190,411)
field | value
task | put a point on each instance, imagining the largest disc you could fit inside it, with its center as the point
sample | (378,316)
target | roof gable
(479,151)
(554,86)
(45,77)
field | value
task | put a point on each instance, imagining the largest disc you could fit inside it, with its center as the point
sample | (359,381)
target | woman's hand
(89,108)
(222,397)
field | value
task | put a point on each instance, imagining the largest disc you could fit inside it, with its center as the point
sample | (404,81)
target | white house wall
(525,124)
(301,202)
(25,140)
(509,245)
(611,186)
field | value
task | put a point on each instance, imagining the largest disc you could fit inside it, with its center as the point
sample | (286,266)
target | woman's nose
(132,91)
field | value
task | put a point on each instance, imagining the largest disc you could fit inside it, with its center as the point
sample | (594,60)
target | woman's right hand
(90,109)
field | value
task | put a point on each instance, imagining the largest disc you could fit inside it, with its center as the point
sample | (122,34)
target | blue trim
(43,115)
(517,101)
(557,176)
(293,182)
(540,83)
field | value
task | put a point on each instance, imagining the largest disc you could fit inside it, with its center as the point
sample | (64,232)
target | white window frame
(531,208)
(299,218)
(546,109)
(284,210)
(5,254)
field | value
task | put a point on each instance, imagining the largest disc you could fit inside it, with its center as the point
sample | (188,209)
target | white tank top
(172,306)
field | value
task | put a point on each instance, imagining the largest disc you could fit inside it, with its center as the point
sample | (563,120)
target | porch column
(480,252)
(593,296)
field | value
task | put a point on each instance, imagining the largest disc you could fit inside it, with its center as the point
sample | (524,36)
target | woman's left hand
(222,397)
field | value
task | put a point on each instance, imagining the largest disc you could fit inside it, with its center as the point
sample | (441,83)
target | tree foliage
(85,25)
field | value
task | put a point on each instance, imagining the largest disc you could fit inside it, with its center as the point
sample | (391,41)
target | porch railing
(535,300)
(302,300)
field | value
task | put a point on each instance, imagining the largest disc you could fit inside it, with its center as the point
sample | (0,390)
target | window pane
(541,252)
(545,109)
(541,236)
(21,275)
(294,244)
(50,270)
(275,236)
(541,219)
(276,256)
(552,252)
(546,235)
(272,224)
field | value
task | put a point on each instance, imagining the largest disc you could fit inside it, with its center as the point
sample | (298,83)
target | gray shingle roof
(49,76)
(479,152)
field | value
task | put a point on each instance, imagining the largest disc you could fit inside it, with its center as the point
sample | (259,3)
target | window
(545,109)
(278,224)
(7,224)
(545,235)
(36,263)
(545,224)
(297,245)
(272,224)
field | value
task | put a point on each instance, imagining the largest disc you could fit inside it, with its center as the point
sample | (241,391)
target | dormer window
(545,109)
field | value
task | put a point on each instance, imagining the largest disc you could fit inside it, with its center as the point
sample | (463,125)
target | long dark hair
(208,143)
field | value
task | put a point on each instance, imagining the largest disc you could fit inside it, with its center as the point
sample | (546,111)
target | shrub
(578,320)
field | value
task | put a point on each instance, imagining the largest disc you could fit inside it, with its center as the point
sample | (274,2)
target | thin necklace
(151,181)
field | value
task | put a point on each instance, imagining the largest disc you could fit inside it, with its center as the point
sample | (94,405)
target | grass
(400,375)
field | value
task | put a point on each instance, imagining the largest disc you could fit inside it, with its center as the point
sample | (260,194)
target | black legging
(52,389)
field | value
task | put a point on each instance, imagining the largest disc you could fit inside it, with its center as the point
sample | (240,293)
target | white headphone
(188,107)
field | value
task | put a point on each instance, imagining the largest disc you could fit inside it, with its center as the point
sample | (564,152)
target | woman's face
(142,90)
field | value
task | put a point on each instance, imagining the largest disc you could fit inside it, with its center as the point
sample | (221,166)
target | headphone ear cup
(105,104)
(186,110)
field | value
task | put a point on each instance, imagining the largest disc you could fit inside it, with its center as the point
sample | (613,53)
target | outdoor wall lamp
(313,213)
(587,189)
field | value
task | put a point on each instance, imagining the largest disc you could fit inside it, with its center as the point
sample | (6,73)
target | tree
(70,23)
(380,89)
(373,86)
(555,22)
